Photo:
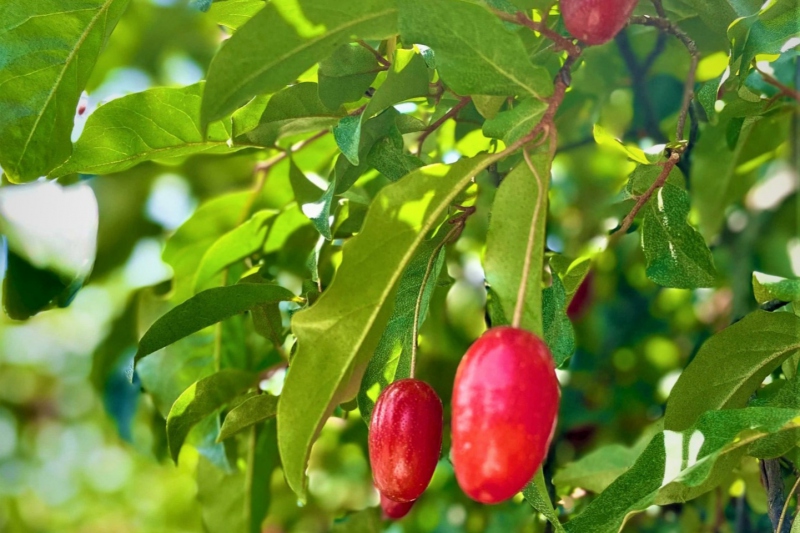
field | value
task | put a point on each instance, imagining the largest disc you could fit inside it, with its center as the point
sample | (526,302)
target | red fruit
(596,21)
(405,438)
(394,510)
(505,403)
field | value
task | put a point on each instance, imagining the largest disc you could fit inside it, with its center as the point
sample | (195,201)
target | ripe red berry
(596,21)
(405,438)
(394,510)
(505,403)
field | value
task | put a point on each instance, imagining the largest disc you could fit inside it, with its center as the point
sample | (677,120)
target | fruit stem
(458,223)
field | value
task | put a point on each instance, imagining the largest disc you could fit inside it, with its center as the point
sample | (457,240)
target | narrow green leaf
(159,123)
(768,288)
(200,400)
(249,412)
(475,53)
(678,466)
(346,75)
(294,110)
(207,308)
(348,134)
(536,495)
(282,41)
(261,461)
(558,332)
(48,50)
(234,13)
(392,357)
(731,365)
(186,247)
(232,247)
(521,196)
(676,254)
(339,333)
(512,125)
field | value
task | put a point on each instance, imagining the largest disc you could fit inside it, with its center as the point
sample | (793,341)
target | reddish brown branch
(444,118)
(561,42)
(784,89)
(382,60)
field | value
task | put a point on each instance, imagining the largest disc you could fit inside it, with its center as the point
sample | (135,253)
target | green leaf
(603,138)
(536,495)
(366,521)
(392,357)
(250,412)
(282,41)
(558,332)
(488,106)
(339,333)
(764,33)
(731,365)
(767,288)
(294,110)
(389,158)
(202,399)
(159,123)
(512,125)
(48,50)
(222,498)
(572,273)
(676,254)
(234,246)
(521,196)
(348,134)
(186,247)
(407,78)
(234,13)
(346,75)
(678,466)
(643,176)
(475,52)
(774,446)
(261,462)
(207,308)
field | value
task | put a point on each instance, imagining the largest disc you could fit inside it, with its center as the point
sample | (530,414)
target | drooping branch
(444,118)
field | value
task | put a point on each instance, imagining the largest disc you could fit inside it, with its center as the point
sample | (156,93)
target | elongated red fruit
(505,403)
(405,438)
(596,21)
(395,510)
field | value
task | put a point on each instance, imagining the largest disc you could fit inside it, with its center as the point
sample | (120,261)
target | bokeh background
(83,450)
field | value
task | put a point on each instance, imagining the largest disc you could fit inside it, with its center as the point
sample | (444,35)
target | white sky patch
(406,107)
(144,266)
(695,443)
(170,202)
(771,192)
(673,447)
(451,156)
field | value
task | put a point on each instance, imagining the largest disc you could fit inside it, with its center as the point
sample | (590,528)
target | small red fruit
(405,439)
(596,21)
(394,510)
(582,298)
(505,403)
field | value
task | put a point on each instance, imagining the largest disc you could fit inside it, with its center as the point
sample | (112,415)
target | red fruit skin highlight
(504,410)
(405,439)
(393,510)
(596,21)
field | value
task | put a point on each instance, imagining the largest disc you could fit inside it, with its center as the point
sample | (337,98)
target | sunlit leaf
(249,412)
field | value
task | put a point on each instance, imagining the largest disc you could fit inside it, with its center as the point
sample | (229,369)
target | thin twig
(561,42)
(659,8)
(382,60)
(786,505)
(299,145)
(627,222)
(444,118)
(784,89)
(458,226)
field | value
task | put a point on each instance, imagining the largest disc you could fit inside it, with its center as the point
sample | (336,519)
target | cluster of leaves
(311,88)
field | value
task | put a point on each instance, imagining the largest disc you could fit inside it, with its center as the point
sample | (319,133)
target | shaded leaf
(677,466)
(572,273)
(346,74)
(512,125)
(339,333)
(240,242)
(389,158)
(348,134)
(475,53)
(536,495)
(558,332)
(406,78)
(676,254)
(488,106)
(251,411)
(731,365)
(283,40)
(202,399)
(261,462)
(767,288)
(207,308)
(48,50)
(392,357)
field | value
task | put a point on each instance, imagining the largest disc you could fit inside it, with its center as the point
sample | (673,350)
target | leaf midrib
(57,83)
